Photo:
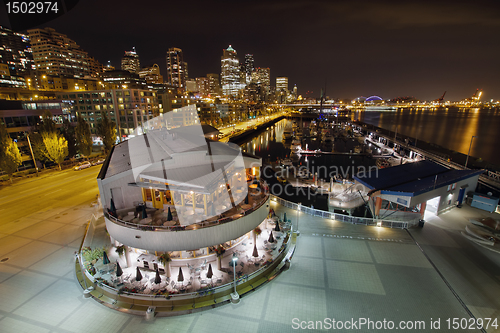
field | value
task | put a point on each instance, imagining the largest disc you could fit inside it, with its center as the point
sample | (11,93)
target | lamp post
(235,298)
(298,212)
(32,155)
(470,146)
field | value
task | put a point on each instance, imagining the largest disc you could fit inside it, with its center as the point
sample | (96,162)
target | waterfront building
(55,54)
(230,73)
(151,74)
(131,62)
(414,189)
(202,183)
(176,68)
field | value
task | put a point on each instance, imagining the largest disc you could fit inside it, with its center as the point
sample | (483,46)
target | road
(244,125)
(58,190)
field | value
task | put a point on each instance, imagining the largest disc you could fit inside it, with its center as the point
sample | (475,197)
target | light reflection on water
(451,128)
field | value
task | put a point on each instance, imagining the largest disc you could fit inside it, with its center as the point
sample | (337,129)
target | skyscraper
(230,72)
(176,71)
(213,84)
(281,89)
(281,84)
(130,62)
(55,54)
(249,63)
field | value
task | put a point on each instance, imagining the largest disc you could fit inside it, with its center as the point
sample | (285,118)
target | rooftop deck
(157,219)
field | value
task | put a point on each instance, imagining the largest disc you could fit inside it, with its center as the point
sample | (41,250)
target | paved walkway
(339,271)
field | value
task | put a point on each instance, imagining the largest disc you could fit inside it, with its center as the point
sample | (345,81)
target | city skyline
(386,49)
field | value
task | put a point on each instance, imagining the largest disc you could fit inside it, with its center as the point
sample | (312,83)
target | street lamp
(32,155)
(298,212)
(470,146)
(235,298)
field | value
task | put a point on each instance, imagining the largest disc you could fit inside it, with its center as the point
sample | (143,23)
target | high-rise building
(15,53)
(264,75)
(186,71)
(176,71)
(249,67)
(203,85)
(130,62)
(230,72)
(282,84)
(151,74)
(56,54)
(191,85)
(213,84)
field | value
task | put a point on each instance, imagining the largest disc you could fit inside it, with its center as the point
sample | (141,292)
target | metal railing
(345,218)
(193,226)
(171,297)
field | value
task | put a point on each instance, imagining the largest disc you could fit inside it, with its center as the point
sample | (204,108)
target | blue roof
(413,178)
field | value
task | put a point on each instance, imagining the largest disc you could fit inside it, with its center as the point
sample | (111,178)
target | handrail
(345,218)
(200,293)
(202,224)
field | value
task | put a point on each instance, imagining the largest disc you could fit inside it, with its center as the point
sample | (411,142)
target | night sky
(359,48)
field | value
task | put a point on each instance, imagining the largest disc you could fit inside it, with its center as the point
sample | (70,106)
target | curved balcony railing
(264,196)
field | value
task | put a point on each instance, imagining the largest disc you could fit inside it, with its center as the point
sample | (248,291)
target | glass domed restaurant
(186,223)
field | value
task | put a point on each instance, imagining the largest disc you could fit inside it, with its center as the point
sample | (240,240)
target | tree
(84,137)
(46,125)
(106,129)
(38,146)
(69,134)
(10,157)
(56,146)
(4,140)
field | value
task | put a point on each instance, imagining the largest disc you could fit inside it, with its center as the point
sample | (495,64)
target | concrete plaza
(339,271)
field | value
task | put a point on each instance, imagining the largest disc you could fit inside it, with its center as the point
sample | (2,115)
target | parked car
(82,165)
(99,161)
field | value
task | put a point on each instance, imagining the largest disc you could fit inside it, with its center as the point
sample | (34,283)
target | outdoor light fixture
(235,298)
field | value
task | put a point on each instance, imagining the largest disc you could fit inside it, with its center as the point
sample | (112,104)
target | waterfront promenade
(378,273)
